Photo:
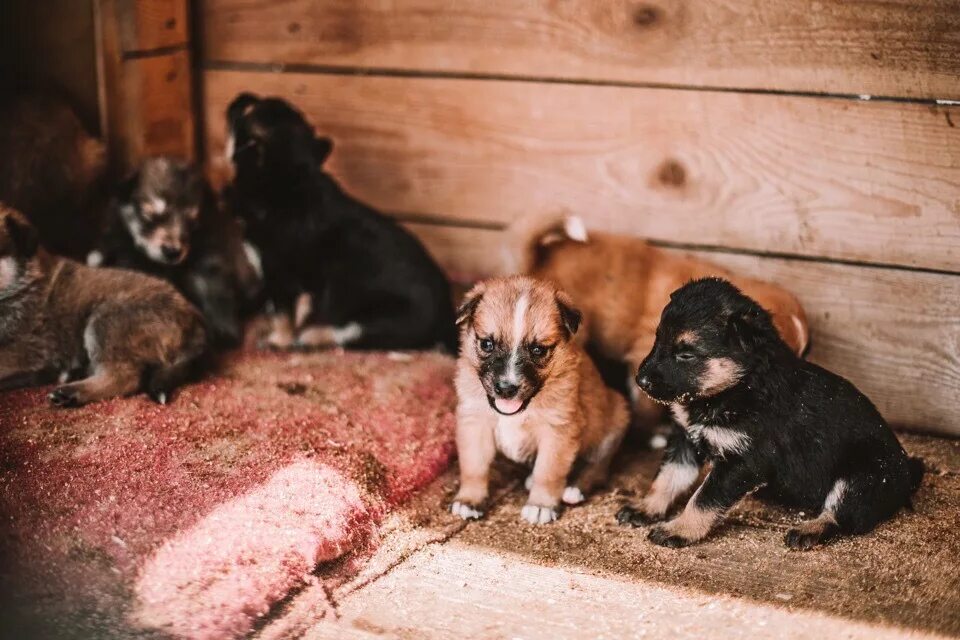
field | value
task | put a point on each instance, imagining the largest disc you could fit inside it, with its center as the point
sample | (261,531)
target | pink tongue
(508,406)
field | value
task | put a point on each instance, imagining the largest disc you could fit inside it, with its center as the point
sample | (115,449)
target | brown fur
(52,171)
(59,318)
(574,415)
(622,284)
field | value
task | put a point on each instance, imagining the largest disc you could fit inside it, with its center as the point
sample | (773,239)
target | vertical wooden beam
(145,79)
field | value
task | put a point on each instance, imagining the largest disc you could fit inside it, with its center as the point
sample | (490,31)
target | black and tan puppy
(164,220)
(767,421)
(117,330)
(526,388)
(357,278)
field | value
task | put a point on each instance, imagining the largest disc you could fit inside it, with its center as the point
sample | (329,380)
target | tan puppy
(115,329)
(622,285)
(527,389)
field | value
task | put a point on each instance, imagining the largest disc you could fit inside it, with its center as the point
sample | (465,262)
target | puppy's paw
(466,511)
(637,517)
(538,515)
(160,396)
(573,495)
(664,537)
(528,483)
(65,396)
(800,540)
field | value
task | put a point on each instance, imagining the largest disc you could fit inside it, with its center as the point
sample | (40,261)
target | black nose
(170,252)
(504,389)
(643,382)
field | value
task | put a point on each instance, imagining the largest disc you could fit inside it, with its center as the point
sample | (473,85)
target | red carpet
(125,517)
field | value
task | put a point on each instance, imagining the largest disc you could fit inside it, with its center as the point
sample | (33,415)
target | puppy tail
(527,237)
(916,468)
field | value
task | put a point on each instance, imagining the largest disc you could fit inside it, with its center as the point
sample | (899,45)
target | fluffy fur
(526,388)
(116,330)
(766,421)
(360,279)
(52,170)
(622,284)
(164,220)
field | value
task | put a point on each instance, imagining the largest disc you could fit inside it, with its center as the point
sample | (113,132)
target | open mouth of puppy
(508,406)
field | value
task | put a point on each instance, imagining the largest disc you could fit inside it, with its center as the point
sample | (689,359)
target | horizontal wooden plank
(895,48)
(873,182)
(894,333)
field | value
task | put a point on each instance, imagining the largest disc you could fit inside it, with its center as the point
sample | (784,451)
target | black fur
(358,265)
(804,428)
(211,270)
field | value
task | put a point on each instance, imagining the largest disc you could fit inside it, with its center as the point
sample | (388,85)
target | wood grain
(872,182)
(146,101)
(895,48)
(894,333)
(152,24)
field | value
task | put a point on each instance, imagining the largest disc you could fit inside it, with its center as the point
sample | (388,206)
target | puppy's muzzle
(505,400)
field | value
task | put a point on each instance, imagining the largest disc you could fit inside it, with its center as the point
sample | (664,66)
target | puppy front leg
(281,331)
(725,485)
(678,472)
(555,457)
(475,449)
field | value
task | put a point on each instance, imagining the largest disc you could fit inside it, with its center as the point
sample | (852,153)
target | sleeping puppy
(623,283)
(767,421)
(164,221)
(356,277)
(525,388)
(117,330)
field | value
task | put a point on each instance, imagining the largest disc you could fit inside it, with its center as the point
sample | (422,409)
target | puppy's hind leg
(162,381)
(109,380)
(811,533)
(597,470)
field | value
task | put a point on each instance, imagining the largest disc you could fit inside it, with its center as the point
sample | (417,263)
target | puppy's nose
(643,382)
(504,389)
(171,252)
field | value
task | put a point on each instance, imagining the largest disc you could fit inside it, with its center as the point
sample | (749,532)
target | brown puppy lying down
(526,388)
(59,319)
(622,284)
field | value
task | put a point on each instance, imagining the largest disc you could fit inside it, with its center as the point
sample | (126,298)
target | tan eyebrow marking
(688,337)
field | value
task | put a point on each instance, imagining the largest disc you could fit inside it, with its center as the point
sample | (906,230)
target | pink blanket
(195,518)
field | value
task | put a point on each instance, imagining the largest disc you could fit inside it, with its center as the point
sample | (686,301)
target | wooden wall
(812,142)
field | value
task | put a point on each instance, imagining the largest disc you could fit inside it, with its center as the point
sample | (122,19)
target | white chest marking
(722,440)
(513,440)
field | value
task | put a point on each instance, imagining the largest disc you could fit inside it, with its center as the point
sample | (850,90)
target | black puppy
(164,220)
(767,421)
(356,278)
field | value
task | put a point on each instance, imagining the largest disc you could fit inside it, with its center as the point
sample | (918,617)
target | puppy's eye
(685,356)
(486,345)
(538,350)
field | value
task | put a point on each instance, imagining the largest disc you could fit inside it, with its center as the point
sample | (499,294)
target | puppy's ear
(322,147)
(469,305)
(239,105)
(24,236)
(569,314)
(745,328)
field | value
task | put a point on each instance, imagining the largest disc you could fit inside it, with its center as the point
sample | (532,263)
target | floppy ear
(321,149)
(469,305)
(570,315)
(24,236)
(239,105)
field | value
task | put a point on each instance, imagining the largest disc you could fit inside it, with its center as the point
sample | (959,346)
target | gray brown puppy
(527,389)
(118,330)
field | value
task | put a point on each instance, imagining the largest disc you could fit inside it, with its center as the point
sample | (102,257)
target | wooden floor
(435,577)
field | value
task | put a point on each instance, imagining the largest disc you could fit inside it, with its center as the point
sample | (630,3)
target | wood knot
(293,27)
(672,174)
(646,15)
(171,23)
(171,76)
